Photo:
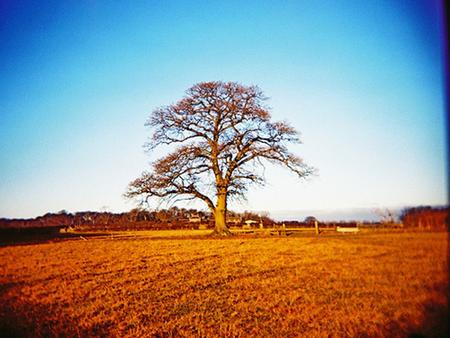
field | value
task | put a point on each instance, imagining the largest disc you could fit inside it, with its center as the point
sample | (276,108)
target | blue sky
(361,80)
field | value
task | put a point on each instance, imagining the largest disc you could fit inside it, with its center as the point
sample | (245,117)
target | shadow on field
(19,318)
(29,238)
(434,323)
(22,319)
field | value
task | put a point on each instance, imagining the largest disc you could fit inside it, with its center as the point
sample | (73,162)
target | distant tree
(249,215)
(174,213)
(425,217)
(133,215)
(386,215)
(266,219)
(163,216)
(310,220)
(224,133)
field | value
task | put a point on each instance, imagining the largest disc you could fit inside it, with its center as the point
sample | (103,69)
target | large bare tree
(220,134)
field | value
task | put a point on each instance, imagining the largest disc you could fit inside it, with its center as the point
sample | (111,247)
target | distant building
(195,218)
(249,223)
(234,220)
(351,227)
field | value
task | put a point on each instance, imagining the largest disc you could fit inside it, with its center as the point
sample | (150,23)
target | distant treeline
(135,219)
(309,224)
(427,218)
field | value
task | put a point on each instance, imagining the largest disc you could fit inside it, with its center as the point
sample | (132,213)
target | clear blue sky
(362,81)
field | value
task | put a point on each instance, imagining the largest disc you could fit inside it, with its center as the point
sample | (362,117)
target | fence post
(316,224)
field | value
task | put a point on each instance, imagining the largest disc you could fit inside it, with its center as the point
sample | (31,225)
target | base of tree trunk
(222,233)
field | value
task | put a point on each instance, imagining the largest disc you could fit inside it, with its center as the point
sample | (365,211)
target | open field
(187,284)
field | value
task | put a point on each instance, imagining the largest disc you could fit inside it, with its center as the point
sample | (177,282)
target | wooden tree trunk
(221,228)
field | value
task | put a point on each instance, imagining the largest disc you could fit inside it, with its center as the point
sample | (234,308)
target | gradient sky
(361,80)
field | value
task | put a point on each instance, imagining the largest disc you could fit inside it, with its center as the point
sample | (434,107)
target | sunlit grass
(161,283)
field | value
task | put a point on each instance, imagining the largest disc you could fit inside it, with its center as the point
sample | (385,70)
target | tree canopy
(223,134)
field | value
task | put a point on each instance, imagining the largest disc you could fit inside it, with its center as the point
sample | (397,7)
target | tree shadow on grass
(19,318)
(12,238)
(23,319)
(434,323)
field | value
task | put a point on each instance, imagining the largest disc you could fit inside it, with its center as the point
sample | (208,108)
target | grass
(165,284)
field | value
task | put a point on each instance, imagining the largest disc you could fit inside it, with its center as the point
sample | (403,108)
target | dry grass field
(164,284)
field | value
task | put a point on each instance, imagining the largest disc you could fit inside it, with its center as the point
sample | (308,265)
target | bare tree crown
(224,133)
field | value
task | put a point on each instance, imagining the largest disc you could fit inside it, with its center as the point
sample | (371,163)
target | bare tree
(387,216)
(223,134)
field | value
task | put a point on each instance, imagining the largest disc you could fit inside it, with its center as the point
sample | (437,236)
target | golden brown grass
(139,284)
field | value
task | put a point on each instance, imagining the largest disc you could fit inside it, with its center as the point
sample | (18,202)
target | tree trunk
(221,228)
